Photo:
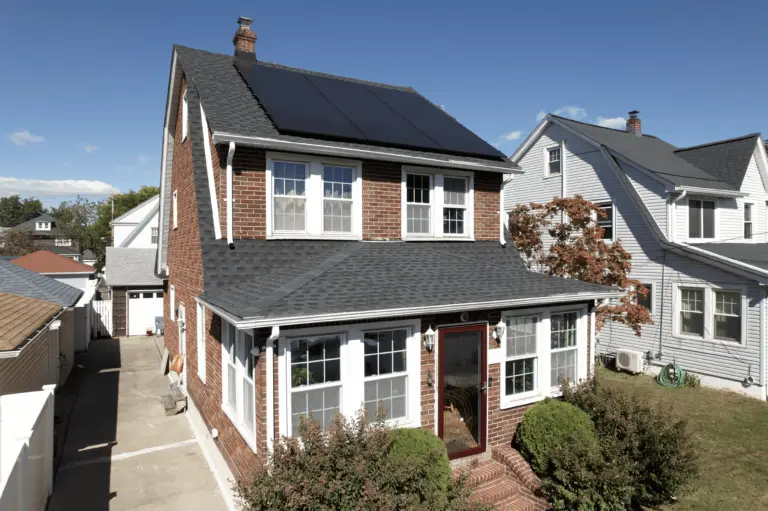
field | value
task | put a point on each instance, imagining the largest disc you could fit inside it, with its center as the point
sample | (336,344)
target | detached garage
(137,294)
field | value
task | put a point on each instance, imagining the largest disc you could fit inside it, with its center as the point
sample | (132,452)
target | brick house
(309,272)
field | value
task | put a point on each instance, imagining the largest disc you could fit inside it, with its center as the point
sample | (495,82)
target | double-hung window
(386,373)
(564,347)
(155,234)
(692,311)
(313,197)
(521,358)
(63,242)
(554,161)
(238,388)
(747,221)
(437,205)
(606,221)
(701,219)
(647,299)
(727,316)
(315,379)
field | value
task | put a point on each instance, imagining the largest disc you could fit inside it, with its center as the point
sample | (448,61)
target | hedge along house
(325,258)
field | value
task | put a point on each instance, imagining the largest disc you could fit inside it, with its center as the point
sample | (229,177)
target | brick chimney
(245,39)
(634,124)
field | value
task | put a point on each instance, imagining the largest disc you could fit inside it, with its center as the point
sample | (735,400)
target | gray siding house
(695,222)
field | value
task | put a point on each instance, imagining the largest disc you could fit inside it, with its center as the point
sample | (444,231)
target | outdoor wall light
(429,339)
(498,330)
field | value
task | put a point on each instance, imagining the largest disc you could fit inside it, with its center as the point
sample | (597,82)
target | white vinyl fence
(101,318)
(26,450)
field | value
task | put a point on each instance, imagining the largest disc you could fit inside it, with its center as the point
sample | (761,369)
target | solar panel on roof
(374,118)
(294,104)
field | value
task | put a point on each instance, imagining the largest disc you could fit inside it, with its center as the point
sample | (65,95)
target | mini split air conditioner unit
(630,361)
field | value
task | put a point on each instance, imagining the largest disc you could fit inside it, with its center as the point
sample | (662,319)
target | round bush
(420,447)
(552,424)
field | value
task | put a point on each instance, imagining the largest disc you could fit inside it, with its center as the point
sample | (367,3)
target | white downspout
(673,231)
(271,386)
(230,199)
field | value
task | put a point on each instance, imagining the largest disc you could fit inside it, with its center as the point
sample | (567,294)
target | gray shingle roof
(755,254)
(30,225)
(131,267)
(231,107)
(20,281)
(651,153)
(279,278)
(727,159)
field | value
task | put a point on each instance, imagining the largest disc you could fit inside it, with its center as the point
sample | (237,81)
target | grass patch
(730,434)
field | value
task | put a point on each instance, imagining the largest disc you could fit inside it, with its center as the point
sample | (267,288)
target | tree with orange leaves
(578,251)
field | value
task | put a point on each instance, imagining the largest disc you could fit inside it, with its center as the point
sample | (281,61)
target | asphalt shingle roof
(131,267)
(21,317)
(727,160)
(20,281)
(45,261)
(651,153)
(230,107)
(755,254)
(31,225)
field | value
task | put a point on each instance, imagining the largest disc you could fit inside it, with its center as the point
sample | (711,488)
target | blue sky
(84,83)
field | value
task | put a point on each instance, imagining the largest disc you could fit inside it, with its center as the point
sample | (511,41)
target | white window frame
(154,235)
(63,242)
(598,219)
(545,157)
(353,370)
(313,209)
(201,355)
(652,293)
(544,352)
(43,226)
(716,219)
(172,302)
(235,414)
(437,204)
(175,209)
(184,117)
(709,313)
(749,206)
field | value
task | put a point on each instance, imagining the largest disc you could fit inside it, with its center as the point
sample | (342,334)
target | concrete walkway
(119,449)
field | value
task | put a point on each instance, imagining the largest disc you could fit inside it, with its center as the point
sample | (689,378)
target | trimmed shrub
(355,465)
(651,444)
(550,424)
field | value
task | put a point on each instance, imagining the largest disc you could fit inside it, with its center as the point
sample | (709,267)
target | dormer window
(555,160)
(42,226)
(701,219)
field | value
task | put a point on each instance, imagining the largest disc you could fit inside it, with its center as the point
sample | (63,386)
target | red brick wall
(487,186)
(382,194)
(186,275)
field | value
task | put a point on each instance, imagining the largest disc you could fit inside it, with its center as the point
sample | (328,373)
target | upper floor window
(314,197)
(43,226)
(606,222)
(437,204)
(647,299)
(554,159)
(63,242)
(701,218)
(154,235)
(184,118)
(747,221)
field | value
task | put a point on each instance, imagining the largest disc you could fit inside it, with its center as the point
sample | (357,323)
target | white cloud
(23,137)
(540,115)
(618,123)
(142,159)
(90,148)
(512,135)
(574,112)
(54,187)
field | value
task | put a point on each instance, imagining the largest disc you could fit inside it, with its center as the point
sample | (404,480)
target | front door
(461,370)
(182,322)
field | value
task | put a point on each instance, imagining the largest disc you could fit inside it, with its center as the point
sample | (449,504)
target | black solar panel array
(330,107)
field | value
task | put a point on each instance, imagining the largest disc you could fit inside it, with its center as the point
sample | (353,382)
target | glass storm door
(462,389)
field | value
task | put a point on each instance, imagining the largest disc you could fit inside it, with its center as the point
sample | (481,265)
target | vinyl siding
(652,193)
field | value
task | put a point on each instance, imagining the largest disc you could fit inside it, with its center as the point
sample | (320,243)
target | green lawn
(731,433)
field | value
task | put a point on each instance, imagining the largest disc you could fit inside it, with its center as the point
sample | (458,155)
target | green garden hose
(671,375)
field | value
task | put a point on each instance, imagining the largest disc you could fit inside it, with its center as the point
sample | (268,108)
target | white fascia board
(726,263)
(710,191)
(209,171)
(248,323)
(763,163)
(164,154)
(530,140)
(277,144)
(119,219)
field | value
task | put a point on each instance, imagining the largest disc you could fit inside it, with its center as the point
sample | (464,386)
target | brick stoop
(519,470)
(494,484)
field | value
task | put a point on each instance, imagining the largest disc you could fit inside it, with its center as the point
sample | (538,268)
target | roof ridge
(717,142)
(598,126)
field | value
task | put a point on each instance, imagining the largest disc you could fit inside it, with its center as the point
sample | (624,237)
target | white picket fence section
(101,318)
(26,450)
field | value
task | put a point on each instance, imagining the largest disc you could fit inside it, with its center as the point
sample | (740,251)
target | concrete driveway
(119,449)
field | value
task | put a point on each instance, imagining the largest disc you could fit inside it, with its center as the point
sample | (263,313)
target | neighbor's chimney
(245,39)
(634,124)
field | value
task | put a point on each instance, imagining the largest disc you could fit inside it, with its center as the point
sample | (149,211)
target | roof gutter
(710,191)
(220,137)
(706,254)
(253,322)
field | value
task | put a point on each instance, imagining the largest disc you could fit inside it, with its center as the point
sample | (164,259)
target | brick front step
(481,473)
(512,459)
(496,491)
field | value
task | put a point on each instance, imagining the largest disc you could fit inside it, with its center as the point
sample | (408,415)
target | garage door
(143,307)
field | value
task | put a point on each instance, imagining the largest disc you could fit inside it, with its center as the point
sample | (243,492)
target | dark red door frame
(483,329)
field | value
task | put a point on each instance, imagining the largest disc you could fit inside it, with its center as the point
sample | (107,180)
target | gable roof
(46,262)
(21,318)
(17,280)
(651,153)
(131,267)
(133,210)
(727,159)
(31,225)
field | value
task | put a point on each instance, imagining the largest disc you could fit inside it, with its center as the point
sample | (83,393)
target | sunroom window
(238,381)
(386,376)
(563,344)
(315,380)
(521,361)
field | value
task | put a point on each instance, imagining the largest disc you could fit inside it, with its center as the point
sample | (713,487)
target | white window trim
(543,354)
(201,357)
(175,209)
(313,209)
(235,414)
(688,215)
(603,202)
(545,157)
(184,117)
(709,313)
(154,235)
(352,369)
(744,239)
(172,302)
(43,226)
(63,242)
(437,203)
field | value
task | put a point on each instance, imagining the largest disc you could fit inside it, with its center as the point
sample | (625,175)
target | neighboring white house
(138,228)
(137,294)
(696,224)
